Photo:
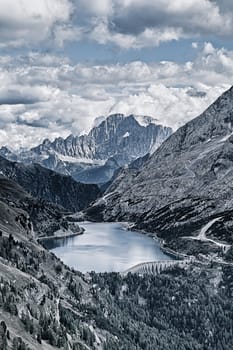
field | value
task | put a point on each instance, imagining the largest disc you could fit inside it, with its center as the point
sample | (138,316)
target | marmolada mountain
(179,189)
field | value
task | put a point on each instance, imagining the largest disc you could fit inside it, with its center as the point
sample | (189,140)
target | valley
(184,185)
(116,175)
(72,278)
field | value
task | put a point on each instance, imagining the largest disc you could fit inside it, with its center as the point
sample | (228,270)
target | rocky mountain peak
(119,138)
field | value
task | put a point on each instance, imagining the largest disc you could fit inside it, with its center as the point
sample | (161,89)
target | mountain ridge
(115,142)
(184,184)
(46,184)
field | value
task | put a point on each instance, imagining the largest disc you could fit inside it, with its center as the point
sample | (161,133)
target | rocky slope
(38,217)
(93,158)
(39,296)
(49,185)
(184,185)
(46,305)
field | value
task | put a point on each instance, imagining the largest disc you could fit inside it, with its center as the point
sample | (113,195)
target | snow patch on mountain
(126,134)
(70,159)
(225,138)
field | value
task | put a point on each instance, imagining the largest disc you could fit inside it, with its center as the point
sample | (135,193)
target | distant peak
(46,142)
(143,120)
(101,119)
(4,148)
(70,137)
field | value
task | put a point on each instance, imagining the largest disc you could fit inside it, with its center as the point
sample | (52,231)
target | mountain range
(185,184)
(93,158)
(181,193)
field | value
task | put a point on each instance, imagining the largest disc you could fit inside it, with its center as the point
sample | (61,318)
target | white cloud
(43,95)
(194,45)
(171,106)
(46,96)
(141,23)
(125,23)
(148,37)
(29,22)
(208,49)
(100,8)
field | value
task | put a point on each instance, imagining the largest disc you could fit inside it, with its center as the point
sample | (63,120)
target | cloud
(171,106)
(124,23)
(27,22)
(43,96)
(194,45)
(104,34)
(17,94)
(141,23)
(203,16)
(101,8)
(22,95)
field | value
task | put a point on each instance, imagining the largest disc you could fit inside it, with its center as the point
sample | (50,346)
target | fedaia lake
(106,247)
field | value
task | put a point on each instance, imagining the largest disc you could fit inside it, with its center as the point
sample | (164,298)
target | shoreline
(170,252)
(70,235)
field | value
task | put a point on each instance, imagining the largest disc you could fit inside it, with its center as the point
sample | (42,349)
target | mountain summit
(93,158)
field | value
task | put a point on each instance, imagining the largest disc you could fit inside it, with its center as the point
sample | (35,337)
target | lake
(106,247)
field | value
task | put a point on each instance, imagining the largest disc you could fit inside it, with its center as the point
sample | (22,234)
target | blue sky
(64,63)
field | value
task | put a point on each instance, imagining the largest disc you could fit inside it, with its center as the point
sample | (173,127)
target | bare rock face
(93,158)
(185,183)
(123,138)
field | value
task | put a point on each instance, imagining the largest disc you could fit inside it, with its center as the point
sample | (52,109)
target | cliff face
(93,158)
(123,138)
